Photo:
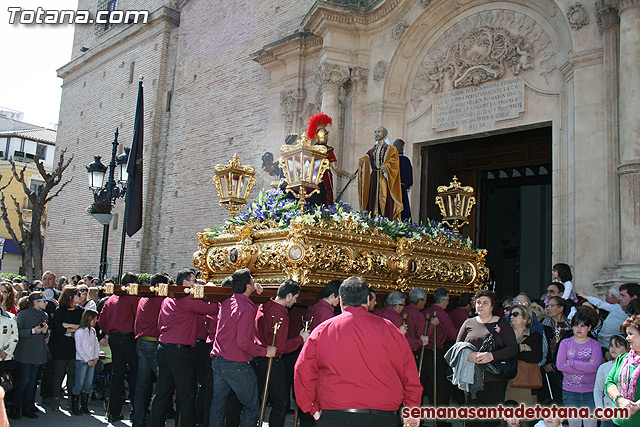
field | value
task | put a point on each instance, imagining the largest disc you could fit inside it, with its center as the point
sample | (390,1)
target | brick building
(532,103)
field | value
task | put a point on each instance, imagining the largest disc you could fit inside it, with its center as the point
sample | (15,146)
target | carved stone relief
(606,14)
(398,31)
(484,47)
(292,102)
(360,78)
(379,71)
(331,76)
(577,16)
(425,3)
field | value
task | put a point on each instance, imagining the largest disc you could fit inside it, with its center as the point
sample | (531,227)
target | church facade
(534,104)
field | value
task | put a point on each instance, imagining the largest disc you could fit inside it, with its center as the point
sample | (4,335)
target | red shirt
(356,360)
(118,314)
(446,331)
(146,322)
(320,312)
(178,318)
(415,326)
(236,330)
(390,314)
(269,312)
(458,316)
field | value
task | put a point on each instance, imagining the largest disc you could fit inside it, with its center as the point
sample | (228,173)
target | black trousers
(204,378)
(443,385)
(346,419)
(491,395)
(176,370)
(278,390)
(46,382)
(123,355)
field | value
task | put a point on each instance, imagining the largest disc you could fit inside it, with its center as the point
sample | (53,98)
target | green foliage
(10,276)
(144,278)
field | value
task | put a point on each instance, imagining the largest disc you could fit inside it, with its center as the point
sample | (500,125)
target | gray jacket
(467,376)
(31,348)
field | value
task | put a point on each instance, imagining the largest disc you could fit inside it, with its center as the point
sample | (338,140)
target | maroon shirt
(236,330)
(178,319)
(146,323)
(415,326)
(445,329)
(296,314)
(390,314)
(211,323)
(356,360)
(458,316)
(320,312)
(269,312)
(201,327)
(118,314)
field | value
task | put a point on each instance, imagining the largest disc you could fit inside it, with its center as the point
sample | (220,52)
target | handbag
(6,382)
(529,376)
(506,369)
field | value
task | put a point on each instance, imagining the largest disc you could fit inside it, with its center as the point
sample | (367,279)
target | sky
(31,54)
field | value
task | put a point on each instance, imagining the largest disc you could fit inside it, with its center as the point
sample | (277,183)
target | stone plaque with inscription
(475,108)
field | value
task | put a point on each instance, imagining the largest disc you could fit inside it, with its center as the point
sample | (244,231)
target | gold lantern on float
(234,182)
(455,202)
(303,165)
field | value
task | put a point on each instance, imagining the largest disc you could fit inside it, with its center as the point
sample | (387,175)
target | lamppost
(108,191)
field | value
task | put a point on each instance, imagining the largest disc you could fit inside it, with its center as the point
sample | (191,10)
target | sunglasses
(41,299)
(38,289)
(515,314)
(83,290)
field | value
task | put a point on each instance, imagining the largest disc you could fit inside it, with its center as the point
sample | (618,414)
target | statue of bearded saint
(317,130)
(379,185)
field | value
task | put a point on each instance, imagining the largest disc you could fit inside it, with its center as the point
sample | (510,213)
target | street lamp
(109,190)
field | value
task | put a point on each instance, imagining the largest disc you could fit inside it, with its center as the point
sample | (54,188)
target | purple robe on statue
(406,180)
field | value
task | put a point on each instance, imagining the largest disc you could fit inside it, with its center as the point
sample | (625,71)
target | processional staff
(305,324)
(263,407)
(426,326)
(435,368)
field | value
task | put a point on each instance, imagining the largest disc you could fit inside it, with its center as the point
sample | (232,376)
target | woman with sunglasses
(83,291)
(30,353)
(529,351)
(63,349)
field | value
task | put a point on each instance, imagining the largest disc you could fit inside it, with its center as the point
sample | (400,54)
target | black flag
(133,209)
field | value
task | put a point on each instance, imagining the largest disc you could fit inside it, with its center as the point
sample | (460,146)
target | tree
(31,240)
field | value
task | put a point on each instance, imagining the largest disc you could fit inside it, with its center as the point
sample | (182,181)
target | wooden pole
(265,392)
(426,326)
(435,368)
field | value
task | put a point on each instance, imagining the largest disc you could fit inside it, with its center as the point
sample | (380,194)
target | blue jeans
(147,369)
(26,390)
(239,377)
(84,377)
(572,399)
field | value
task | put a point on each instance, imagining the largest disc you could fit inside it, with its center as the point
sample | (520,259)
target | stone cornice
(627,4)
(297,41)
(586,58)
(346,15)
(164,15)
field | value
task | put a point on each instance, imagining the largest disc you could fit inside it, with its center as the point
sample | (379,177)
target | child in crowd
(617,345)
(578,359)
(551,422)
(510,422)
(87,355)
(562,273)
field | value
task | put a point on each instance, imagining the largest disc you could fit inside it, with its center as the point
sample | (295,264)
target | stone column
(330,77)
(629,131)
